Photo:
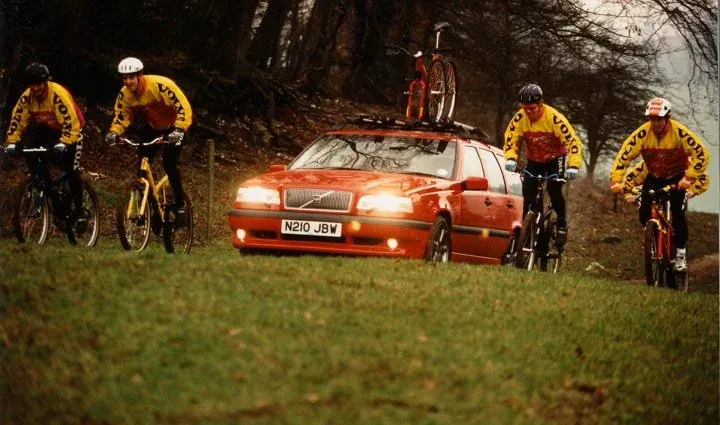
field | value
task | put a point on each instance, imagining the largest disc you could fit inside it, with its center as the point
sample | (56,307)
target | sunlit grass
(106,336)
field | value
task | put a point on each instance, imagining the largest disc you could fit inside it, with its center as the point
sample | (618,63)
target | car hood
(351,180)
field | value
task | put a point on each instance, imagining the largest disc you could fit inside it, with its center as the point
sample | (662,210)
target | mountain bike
(431,95)
(147,206)
(536,245)
(658,245)
(39,197)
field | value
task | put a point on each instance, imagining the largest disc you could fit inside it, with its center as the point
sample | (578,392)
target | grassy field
(107,337)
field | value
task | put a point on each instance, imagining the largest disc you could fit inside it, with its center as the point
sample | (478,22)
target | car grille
(317,199)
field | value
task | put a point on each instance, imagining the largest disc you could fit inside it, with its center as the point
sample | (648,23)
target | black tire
(508,258)
(91,206)
(545,243)
(435,92)
(31,216)
(526,255)
(654,268)
(439,247)
(451,85)
(132,222)
(178,238)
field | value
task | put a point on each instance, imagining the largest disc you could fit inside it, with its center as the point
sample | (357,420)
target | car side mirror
(475,183)
(277,167)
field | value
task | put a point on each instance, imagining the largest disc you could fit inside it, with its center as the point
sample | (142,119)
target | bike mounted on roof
(431,95)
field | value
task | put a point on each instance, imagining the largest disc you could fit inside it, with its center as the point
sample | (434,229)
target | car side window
(496,181)
(513,179)
(472,166)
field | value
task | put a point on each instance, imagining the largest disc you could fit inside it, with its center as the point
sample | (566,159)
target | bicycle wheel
(86,234)
(543,245)
(31,217)
(178,236)
(435,96)
(450,92)
(526,256)
(132,222)
(654,268)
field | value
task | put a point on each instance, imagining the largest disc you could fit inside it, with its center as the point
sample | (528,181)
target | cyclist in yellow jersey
(58,124)
(549,139)
(637,175)
(673,155)
(154,106)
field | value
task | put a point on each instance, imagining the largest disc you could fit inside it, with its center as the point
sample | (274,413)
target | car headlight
(258,195)
(385,203)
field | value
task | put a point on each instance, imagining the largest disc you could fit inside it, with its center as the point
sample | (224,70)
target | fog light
(392,243)
(240,233)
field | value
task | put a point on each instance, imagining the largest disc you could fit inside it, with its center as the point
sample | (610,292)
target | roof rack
(381,121)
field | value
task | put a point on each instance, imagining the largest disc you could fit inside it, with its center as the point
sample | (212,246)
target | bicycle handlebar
(160,140)
(555,176)
(35,150)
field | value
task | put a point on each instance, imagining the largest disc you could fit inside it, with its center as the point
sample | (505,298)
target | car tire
(439,247)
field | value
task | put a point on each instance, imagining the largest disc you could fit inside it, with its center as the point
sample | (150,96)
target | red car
(397,191)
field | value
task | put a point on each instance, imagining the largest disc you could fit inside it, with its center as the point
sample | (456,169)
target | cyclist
(164,110)
(637,175)
(55,120)
(673,155)
(549,138)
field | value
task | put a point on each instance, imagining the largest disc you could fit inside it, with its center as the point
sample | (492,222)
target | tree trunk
(265,45)
(237,21)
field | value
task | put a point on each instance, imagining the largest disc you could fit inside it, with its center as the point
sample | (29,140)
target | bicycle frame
(157,191)
(151,190)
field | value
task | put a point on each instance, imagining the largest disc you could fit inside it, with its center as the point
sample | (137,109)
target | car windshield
(393,154)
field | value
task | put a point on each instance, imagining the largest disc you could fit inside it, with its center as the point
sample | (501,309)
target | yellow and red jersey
(637,175)
(56,109)
(676,152)
(546,138)
(159,99)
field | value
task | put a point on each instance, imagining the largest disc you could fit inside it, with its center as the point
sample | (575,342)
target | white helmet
(658,107)
(130,66)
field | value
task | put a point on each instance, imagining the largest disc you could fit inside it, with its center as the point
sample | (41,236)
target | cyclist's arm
(67,116)
(19,119)
(565,132)
(701,185)
(123,114)
(173,96)
(629,150)
(696,150)
(636,176)
(513,134)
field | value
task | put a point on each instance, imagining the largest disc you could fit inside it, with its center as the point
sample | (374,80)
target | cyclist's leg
(69,163)
(171,155)
(529,184)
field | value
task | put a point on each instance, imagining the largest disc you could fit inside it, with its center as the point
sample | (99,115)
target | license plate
(311,228)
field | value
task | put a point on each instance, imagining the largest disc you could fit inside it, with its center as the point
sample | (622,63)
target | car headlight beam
(259,195)
(385,203)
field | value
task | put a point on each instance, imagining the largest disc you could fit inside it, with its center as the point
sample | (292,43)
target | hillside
(601,242)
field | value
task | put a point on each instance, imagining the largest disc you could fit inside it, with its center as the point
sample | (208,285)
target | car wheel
(439,248)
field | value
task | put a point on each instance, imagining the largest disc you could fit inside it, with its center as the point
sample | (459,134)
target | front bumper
(361,235)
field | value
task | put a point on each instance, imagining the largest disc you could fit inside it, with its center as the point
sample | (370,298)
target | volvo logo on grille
(317,198)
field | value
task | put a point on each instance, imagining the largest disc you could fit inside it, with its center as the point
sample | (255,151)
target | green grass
(107,337)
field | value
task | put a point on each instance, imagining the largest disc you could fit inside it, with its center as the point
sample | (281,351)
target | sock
(680,252)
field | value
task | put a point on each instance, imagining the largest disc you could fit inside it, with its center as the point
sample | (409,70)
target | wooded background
(249,57)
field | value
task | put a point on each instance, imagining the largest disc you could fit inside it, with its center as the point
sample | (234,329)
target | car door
(504,206)
(476,220)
